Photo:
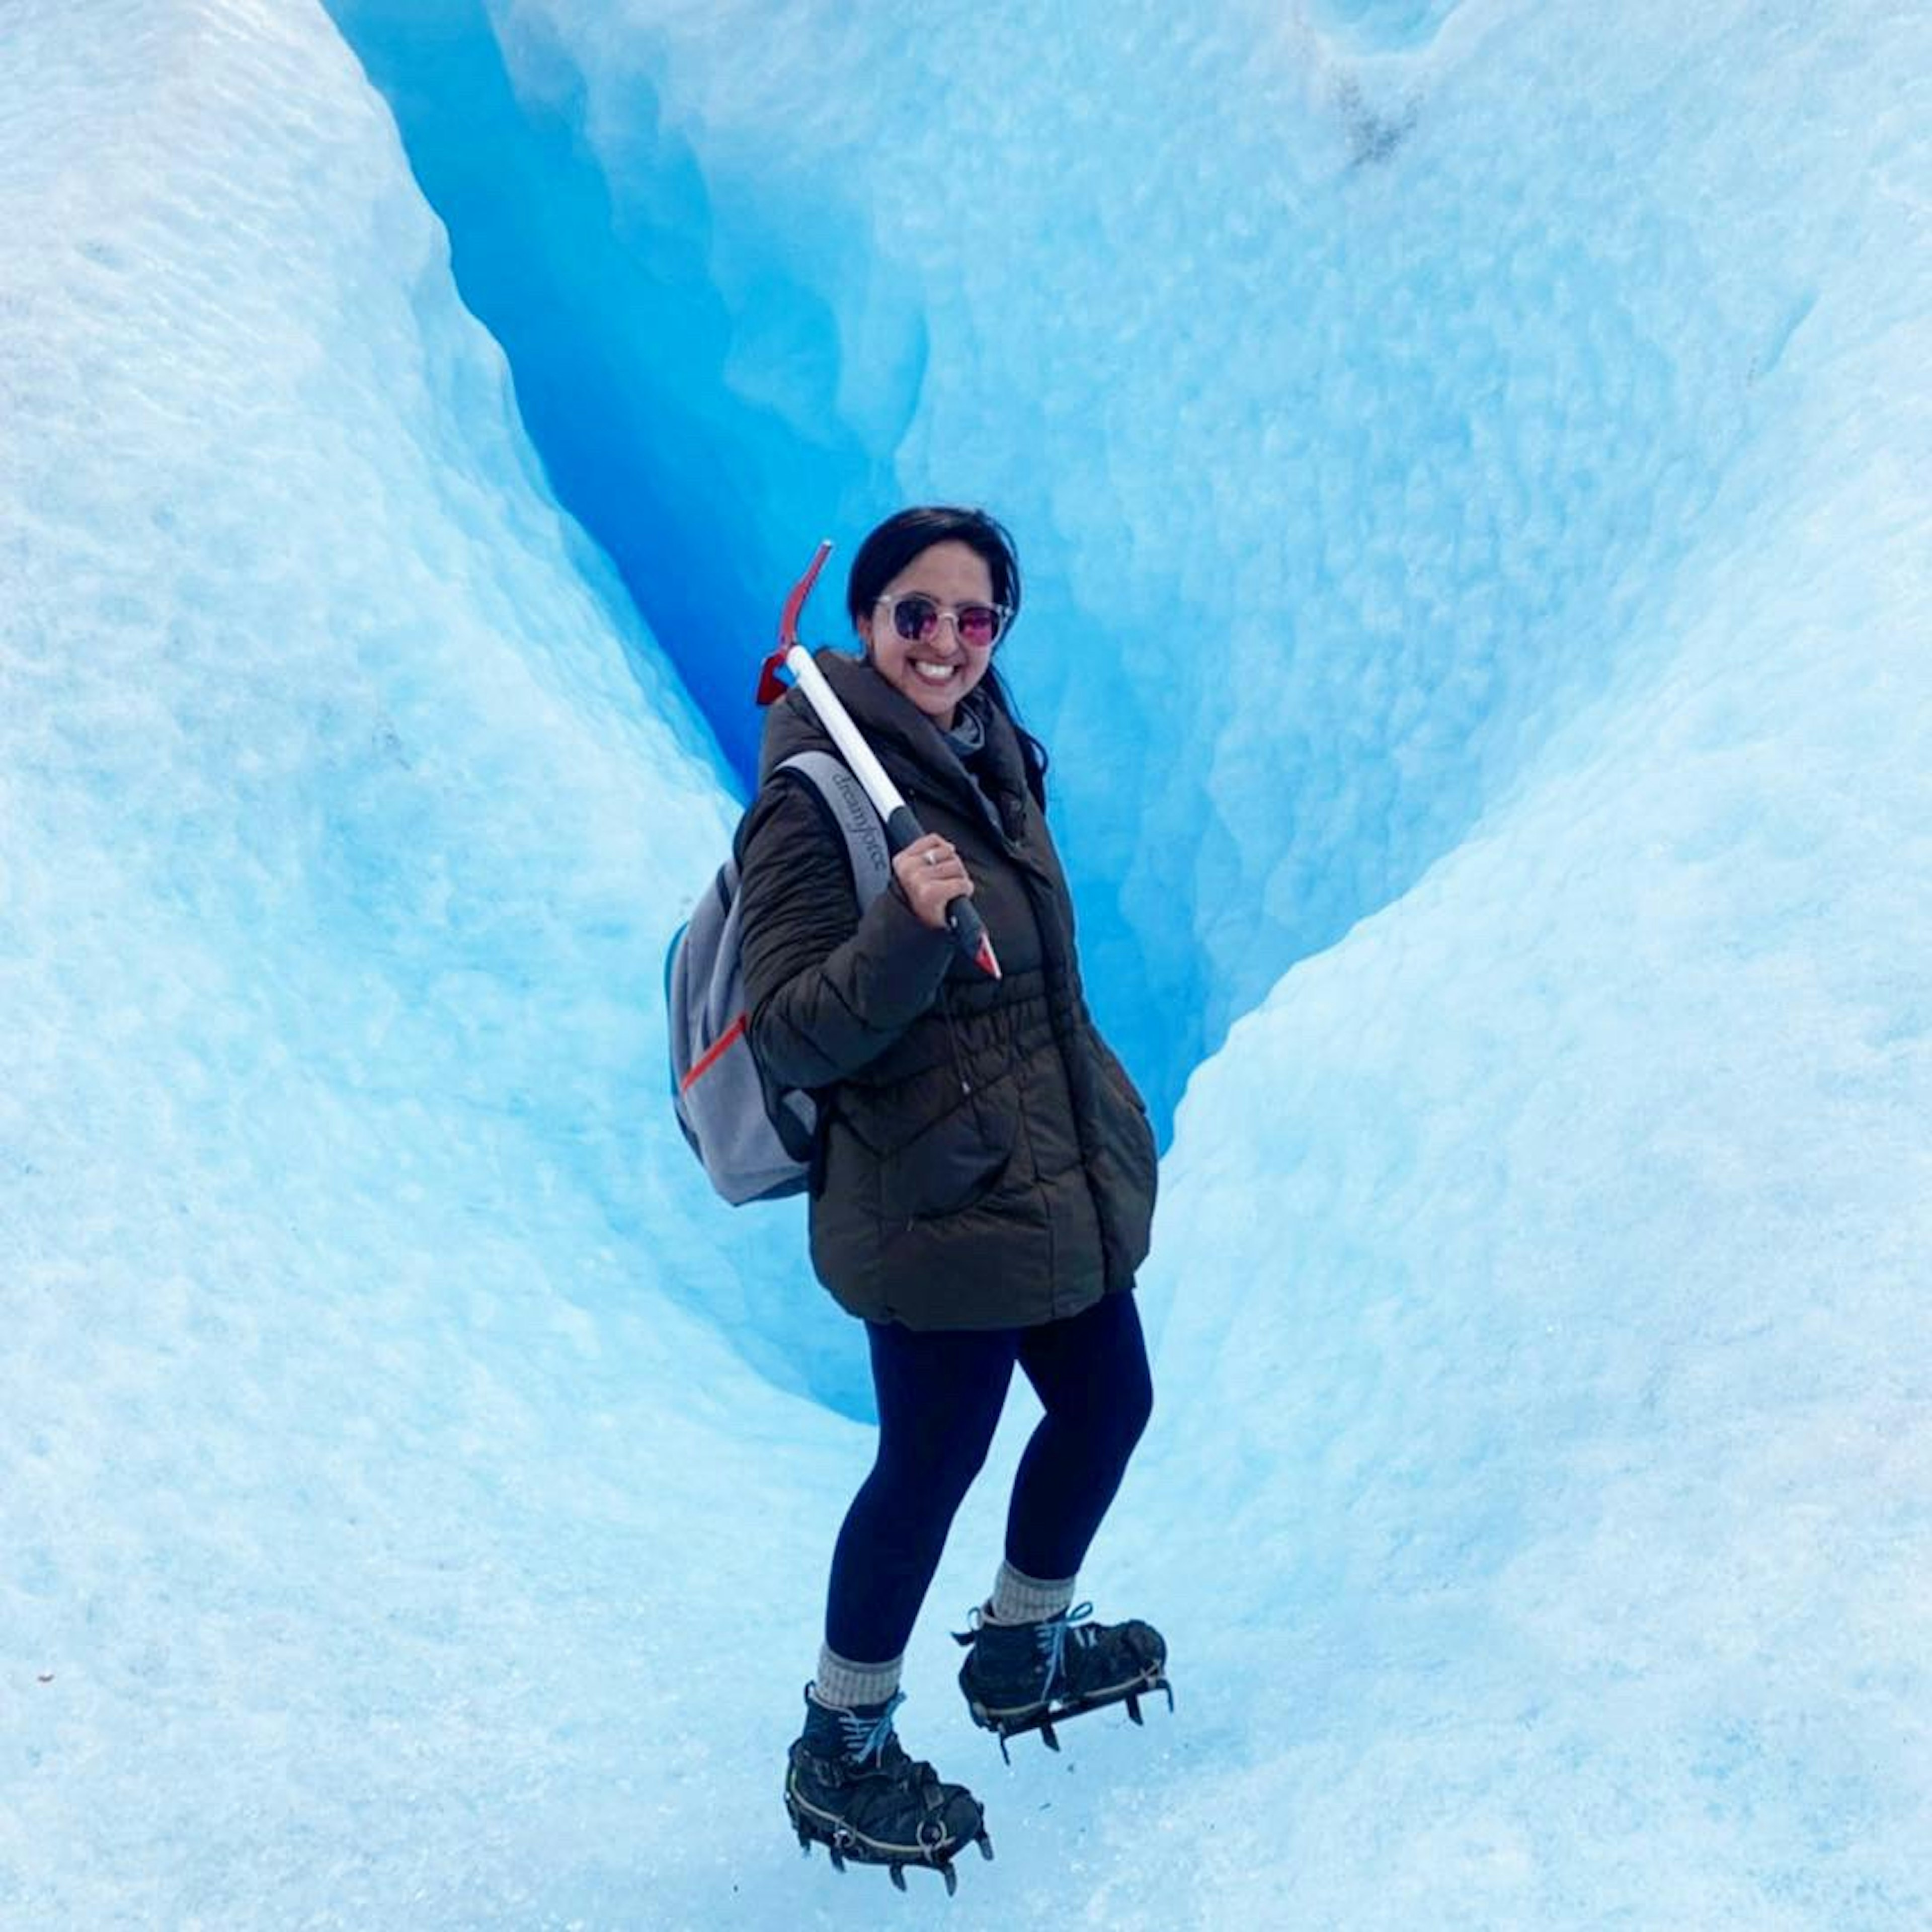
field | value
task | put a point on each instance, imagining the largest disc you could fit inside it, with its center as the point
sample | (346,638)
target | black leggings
(941,1394)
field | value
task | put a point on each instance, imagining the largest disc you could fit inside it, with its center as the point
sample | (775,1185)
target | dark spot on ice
(1373,136)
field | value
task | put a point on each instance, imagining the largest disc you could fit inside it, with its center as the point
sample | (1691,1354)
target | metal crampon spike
(951,1877)
(985,1845)
(1047,1738)
(897,1874)
(1134,1710)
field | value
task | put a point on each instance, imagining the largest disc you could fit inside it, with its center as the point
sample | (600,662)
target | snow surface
(1472,464)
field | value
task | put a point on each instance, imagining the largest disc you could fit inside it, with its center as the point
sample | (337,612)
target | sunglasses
(915,618)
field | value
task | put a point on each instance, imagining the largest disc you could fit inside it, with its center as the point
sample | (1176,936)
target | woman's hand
(931,874)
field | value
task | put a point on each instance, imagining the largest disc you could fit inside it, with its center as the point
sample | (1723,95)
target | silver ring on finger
(932,858)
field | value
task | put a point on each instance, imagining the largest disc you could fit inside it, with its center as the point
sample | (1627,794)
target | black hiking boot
(850,1787)
(1031,1676)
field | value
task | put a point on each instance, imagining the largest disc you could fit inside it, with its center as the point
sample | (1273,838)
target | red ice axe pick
(969,931)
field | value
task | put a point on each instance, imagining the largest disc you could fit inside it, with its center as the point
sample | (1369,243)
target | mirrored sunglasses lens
(979,624)
(915,619)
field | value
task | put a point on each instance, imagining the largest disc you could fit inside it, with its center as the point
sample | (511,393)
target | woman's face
(936,672)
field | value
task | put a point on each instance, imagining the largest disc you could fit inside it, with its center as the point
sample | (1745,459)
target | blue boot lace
(867,1737)
(1051,1635)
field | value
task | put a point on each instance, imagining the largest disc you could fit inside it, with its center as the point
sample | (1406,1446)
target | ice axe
(969,930)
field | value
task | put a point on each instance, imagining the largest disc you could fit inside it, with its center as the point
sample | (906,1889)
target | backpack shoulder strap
(845,804)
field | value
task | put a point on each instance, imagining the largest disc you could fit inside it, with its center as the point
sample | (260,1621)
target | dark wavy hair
(888,549)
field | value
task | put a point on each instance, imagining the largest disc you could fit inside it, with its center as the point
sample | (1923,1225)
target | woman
(983,1187)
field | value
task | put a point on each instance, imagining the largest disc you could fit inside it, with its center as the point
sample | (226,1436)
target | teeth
(933,673)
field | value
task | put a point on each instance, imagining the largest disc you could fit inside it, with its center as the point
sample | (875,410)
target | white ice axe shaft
(846,735)
(902,827)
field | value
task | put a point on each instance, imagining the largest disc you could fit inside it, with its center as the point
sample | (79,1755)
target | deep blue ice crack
(625,353)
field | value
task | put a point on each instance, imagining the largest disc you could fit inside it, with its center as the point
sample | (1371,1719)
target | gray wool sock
(844,1685)
(1018,1598)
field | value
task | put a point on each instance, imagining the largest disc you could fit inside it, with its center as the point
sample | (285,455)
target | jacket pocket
(949,1166)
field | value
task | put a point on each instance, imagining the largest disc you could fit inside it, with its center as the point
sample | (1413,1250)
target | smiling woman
(983,1185)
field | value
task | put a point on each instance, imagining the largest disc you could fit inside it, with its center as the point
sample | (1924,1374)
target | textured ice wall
(359,1449)
(685,434)
(1580,1362)
(1549,1262)
(307,666)
(1351,376)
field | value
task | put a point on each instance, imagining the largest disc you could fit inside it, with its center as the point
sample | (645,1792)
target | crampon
(844,1845)
(1034,1676)
(850,1786)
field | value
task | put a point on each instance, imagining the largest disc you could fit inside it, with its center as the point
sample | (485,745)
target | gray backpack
(754,1137)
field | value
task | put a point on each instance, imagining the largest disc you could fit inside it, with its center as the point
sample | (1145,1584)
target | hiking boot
(1030,1676)
(850,1787)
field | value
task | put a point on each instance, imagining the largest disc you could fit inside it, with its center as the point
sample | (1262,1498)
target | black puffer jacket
(985,1162)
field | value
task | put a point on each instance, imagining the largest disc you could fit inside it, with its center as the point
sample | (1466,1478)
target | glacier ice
(355,1400)
(1581,1355)
(1335,476)
(1489,443)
